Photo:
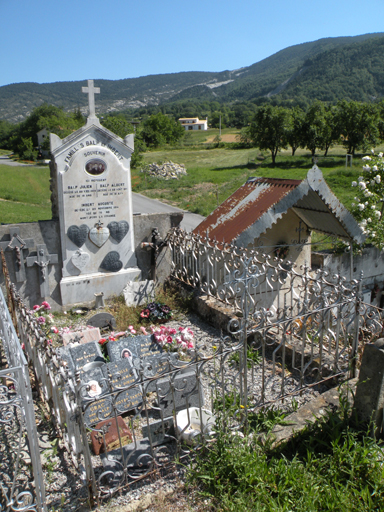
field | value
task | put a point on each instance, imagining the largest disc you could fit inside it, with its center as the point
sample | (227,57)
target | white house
(194,123)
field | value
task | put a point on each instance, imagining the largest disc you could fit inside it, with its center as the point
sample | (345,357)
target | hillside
(327,69)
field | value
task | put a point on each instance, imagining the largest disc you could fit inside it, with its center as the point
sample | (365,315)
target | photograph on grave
(90,175)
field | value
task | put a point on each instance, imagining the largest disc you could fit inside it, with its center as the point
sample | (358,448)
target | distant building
(194,123)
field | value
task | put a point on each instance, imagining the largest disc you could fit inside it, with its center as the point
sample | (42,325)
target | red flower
(102,341)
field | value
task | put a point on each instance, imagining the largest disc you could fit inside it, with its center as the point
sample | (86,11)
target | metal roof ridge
(317,183)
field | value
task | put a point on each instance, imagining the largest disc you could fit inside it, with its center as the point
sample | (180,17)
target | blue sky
(48,41)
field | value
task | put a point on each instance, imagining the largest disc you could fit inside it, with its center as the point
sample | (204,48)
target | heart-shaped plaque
(112,262)
(99,235)
(118,230)
(78,234)
(80,259)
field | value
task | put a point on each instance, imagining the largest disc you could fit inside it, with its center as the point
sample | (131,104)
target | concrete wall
(47,232)
(370,262)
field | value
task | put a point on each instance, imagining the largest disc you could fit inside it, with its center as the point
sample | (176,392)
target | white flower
(353,204)
(363,223)
(378,214)
(354,183)
(366,158)
(360,178)
(366,168)
(380,155)
(372,151)
(373,235)
(366,203)
(374,168)
(373,207)
(373,182)
(362,185)
(369,219)
(378,179)
(361,206)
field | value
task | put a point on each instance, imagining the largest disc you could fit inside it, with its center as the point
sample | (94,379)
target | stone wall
(47,232)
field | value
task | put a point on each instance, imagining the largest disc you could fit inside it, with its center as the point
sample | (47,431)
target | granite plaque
(140,346)
(123,376)
(94,386)
(186,393)
(87,353)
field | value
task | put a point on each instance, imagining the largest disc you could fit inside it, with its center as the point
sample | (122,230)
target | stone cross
(17,244)
(42,260)
(91,90)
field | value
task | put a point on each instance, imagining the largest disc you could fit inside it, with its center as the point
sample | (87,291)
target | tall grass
(332,467)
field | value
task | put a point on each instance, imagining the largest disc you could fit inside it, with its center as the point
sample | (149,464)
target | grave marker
(17,245)
(87,353)
(82,336)
(185,394)
(91,179)
(42,260)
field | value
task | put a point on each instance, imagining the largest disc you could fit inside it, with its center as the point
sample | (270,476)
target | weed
(253,358)
(331,467)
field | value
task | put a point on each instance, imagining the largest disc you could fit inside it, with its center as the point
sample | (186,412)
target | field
(213,174)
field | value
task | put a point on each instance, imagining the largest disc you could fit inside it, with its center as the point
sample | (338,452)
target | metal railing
(18,426)
(290,332)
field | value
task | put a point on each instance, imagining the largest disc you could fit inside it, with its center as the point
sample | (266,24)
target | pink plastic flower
(169,339)
(46,305)
(36,307)
(142,329)
(23,346)
(41,320)
(55,330)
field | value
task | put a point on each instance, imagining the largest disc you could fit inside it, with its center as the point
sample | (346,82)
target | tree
(159,129)
(358,125)
(118,125)
(295,130)
(269,129)
(313,127)
(368,206)
(330,132)
(26,151)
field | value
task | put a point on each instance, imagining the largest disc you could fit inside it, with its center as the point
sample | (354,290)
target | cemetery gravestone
(90,171)
(84,354)
(139,346)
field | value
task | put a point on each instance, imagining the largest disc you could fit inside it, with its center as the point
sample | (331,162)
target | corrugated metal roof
(244,207)
(261,202)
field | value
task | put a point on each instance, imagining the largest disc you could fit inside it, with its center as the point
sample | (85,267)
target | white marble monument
(92,197)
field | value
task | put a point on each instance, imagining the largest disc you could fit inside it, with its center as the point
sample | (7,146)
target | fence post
(355,342)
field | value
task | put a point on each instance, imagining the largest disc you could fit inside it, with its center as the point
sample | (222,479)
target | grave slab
(82,336)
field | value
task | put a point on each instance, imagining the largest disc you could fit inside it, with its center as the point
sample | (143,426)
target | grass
(331,467)
(24,194)
(213,175)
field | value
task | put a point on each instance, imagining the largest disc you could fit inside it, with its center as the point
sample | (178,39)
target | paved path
(142,204)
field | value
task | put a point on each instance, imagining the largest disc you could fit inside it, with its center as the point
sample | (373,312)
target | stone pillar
(369,398)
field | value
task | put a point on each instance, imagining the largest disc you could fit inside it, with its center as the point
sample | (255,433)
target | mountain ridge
(287,74)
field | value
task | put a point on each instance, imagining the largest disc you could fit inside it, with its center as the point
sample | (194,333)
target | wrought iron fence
(19,443)
(290,332)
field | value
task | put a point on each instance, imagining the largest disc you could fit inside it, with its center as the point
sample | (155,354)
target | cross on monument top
(91,90)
